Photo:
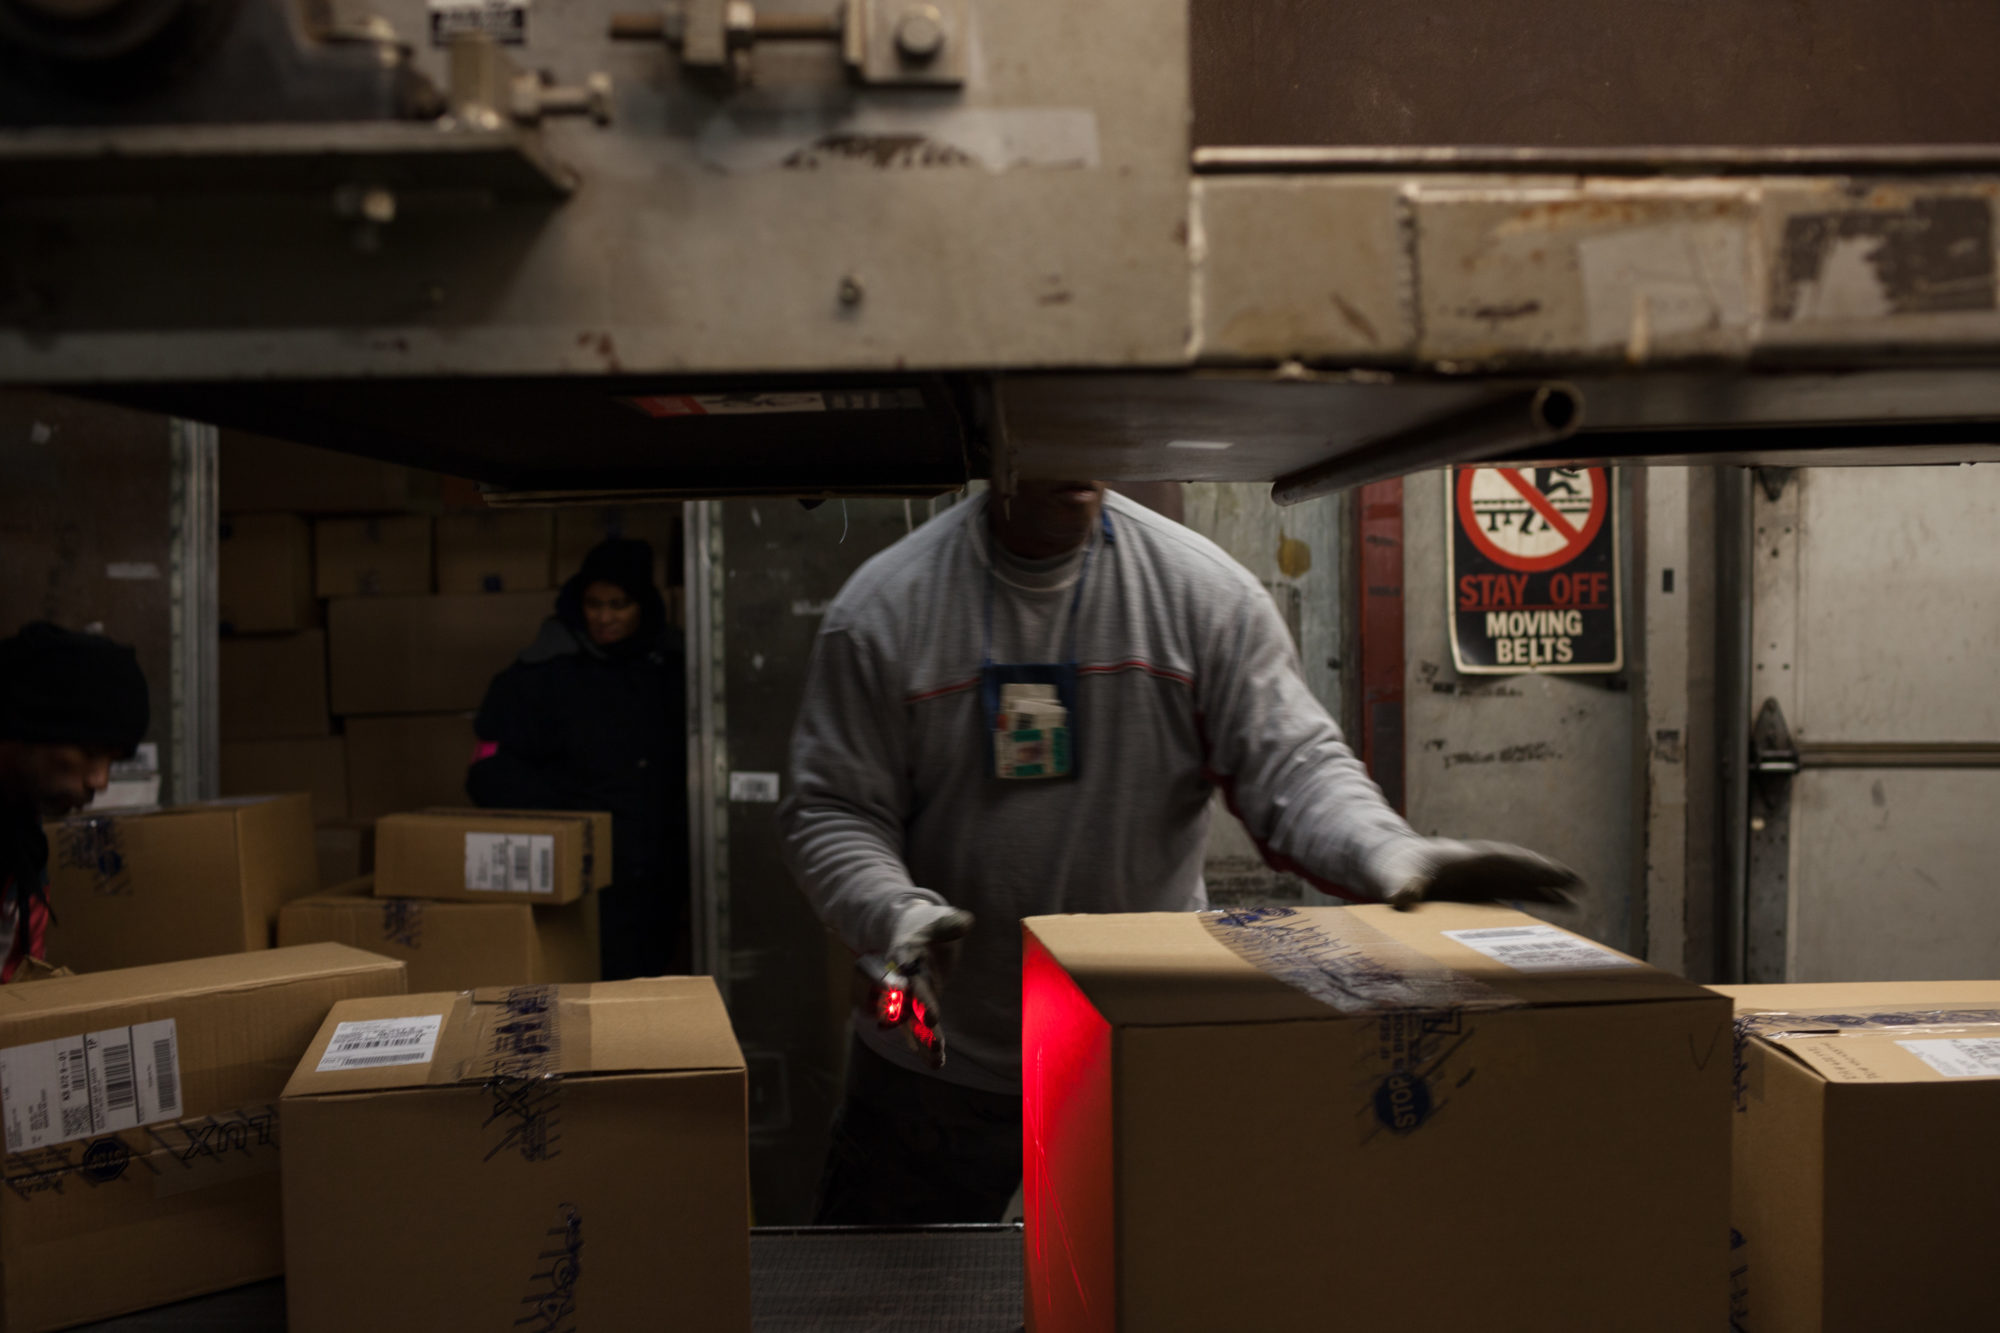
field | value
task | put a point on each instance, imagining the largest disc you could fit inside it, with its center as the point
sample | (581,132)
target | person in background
(591,717)
(1024,708)
(70,705)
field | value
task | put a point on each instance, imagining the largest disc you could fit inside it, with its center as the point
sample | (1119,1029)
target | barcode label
(371,1043)
(168,1075)
(1958,1057)
(90,1084)
(1539,949)
(119,1094)
(510,862)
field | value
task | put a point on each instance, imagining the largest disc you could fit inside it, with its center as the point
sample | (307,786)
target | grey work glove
(1444,870)
(905,982)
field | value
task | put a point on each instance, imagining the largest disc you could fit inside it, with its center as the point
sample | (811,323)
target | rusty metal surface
(1463,272)
(1570,73)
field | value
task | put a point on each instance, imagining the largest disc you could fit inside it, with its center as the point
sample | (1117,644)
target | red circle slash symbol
(1532,519)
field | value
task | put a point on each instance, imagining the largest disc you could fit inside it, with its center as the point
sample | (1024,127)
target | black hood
(626,563)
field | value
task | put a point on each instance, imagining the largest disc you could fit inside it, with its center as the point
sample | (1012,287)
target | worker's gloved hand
(1443,870)
(926,942)
(905,982)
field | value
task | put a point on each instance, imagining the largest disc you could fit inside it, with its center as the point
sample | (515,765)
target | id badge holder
(1030,721)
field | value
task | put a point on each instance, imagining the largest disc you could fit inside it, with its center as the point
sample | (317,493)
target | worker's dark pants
(909,1149)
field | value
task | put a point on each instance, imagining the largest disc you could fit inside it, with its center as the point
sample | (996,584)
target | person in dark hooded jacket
(70,705)
(591,717)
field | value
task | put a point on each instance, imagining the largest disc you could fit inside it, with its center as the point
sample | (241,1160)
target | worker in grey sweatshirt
(1023,708)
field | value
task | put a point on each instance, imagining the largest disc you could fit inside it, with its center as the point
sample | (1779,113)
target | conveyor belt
(825,1279)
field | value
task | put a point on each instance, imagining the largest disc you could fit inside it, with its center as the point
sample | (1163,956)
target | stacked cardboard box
(536,1132)
(189,881)
(407,762)
(372,557)
(422,604)
(1864,1165)
(155,1178)
(453,946)
(346,851)
(426,654)
(264,582)
(1482,1121)
(494,551)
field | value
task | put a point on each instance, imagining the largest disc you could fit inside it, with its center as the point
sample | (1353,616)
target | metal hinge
(1772,753)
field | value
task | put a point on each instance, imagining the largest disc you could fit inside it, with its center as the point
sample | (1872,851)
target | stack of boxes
(365,608)
(472,898)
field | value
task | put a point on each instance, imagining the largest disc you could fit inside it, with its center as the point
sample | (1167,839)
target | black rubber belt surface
(830,1280)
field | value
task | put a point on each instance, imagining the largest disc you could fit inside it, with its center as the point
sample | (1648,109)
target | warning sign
(1533,570)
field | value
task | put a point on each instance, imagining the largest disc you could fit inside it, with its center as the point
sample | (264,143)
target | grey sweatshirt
(1188,680)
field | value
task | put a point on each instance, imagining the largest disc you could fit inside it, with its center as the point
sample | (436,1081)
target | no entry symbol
(1532,518)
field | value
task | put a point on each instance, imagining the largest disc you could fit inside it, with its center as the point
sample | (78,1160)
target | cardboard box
(1478,1120)
(540,856)
(273,687)
(346,851)
(407,762)
(264,576)
(372,557)
(1865,1176)
(189,881)
(578,1153)
(452,946)
(316,766)
(159,1180)
(580,527)
(427,654)
(501,550)
(258,473)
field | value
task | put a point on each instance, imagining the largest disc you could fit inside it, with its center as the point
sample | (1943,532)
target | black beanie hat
(63,688)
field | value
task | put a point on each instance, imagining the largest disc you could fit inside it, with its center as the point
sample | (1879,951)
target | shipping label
(510,862)
(1958,1057)
(372,1043)
(1539,949)
(90,1084)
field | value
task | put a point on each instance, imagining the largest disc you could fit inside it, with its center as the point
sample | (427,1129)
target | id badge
(1031,734)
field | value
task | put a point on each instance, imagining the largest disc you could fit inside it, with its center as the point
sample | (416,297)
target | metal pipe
(1523,419)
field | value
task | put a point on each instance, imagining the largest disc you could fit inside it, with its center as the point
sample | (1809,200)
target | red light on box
(889,1007)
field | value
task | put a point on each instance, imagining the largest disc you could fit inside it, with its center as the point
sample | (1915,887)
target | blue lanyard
(1075,601)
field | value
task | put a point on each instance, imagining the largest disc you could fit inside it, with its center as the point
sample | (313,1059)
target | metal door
(1874,795)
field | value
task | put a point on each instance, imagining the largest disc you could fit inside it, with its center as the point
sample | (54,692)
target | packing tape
(1346,964)
(1777,1025)
(178,1156)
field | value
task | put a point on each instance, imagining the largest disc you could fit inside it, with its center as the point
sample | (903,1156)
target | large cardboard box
(1476,1120)
(580,527)
(451,946)
(407,762)
(189,881)
(346,851)
(372,557)
(153,1176)
(539,856)
(264,574)
(575,1156)
(1866,1181)
(502,550)
(273,687)
(316,765)
(258,473)
(426,654)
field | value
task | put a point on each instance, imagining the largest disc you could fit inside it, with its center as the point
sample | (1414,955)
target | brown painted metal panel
(1574,73)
